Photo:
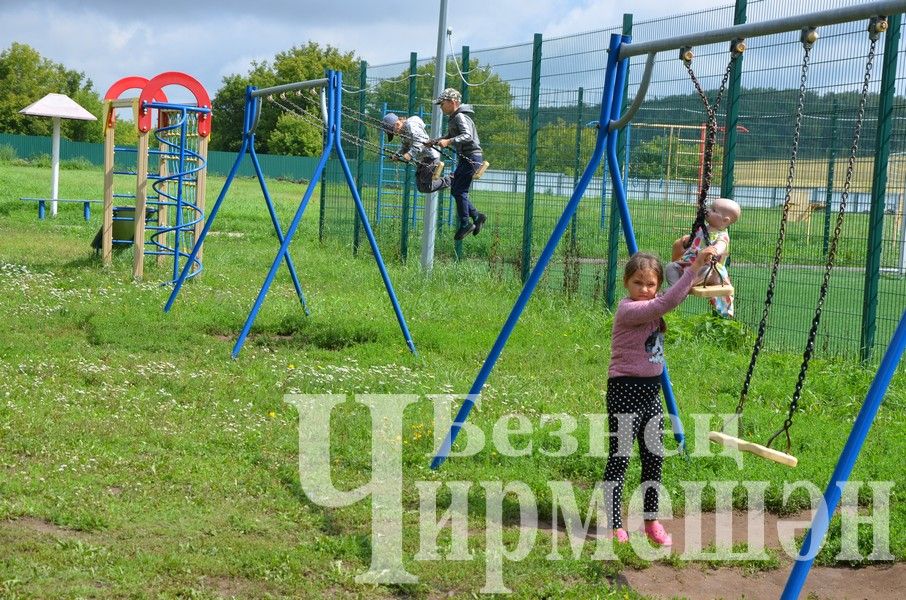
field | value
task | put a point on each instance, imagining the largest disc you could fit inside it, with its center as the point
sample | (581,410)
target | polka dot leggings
(634,404)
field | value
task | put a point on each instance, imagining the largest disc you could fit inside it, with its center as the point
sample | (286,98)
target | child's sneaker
(620,536)
(438,170)
(479,221)
(657,534)
(480,170)
(463,231)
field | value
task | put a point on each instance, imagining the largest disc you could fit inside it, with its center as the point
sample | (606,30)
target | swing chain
(832,250)
(807,42)
(711,133)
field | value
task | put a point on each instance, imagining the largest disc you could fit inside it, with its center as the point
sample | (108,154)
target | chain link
(710,139)
(831,254)
(364,118)
(314,119)
(781,236)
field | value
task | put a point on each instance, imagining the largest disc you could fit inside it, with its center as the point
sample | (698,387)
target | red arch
(151,91)
(129,83)
(133,82)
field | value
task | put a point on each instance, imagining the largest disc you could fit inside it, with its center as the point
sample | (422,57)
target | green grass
(138,460)
(657,223)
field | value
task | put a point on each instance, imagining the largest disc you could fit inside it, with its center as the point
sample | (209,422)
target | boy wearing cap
(415,147)
(463,136)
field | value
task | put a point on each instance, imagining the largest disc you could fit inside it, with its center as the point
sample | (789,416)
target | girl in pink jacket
(634,383)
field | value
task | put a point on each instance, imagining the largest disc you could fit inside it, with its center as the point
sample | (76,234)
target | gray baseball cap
(449,94)
(388,124)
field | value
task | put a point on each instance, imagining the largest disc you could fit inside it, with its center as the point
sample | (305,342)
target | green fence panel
(662,149)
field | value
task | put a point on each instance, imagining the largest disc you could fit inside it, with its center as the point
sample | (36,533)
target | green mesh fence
(663,167)
(662,150)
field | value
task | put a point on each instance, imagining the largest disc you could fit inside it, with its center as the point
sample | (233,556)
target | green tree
(298,135)
(557,147)
(25,77)
(295,136)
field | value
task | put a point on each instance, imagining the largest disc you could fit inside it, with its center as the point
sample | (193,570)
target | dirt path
(729,581)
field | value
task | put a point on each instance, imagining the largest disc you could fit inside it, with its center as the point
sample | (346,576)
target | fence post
(577,167)
(407,181)
(732,118)
(466,94)
(831,164)
(879,187)
(360,160)
(613,235)
(531,160)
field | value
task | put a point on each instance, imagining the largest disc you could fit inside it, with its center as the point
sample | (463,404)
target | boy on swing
(722,213)
(463,136)
(415,147)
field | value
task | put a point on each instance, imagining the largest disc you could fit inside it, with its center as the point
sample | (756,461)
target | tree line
(663,136)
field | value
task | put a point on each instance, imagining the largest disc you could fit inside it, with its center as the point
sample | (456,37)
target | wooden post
(107,224)
(141,192)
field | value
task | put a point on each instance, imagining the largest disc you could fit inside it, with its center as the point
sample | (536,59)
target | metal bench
(42,205)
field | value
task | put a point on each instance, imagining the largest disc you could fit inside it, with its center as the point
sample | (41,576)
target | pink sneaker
(657,534)
(620,535)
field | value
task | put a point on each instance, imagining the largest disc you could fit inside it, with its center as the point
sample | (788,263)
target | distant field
(813,173)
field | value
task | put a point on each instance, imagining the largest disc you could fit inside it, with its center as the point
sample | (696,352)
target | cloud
(210,39)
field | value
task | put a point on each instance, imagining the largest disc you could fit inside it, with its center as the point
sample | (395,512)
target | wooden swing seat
(711,291)
(729,441)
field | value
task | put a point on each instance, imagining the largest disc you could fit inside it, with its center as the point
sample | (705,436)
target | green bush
(7,153)
(77,164)
(716,331)
(40,160)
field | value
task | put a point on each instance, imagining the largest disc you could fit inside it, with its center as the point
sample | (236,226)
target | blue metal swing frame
(611,106)
(611,120)
(332,84)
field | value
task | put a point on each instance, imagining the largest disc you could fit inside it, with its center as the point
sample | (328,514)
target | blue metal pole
(277,228)
(297,218)
(247,140)
(543,259)
(845,464)
(86,210)
(42,210)
(619,191)
(180,190)
(363,216)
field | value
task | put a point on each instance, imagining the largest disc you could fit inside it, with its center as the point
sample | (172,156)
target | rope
(462,76)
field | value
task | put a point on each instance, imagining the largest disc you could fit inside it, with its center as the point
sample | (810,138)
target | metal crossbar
(748,30)
(290,87)
(741,32)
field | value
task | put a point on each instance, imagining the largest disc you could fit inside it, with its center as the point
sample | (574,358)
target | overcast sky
(209,39)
